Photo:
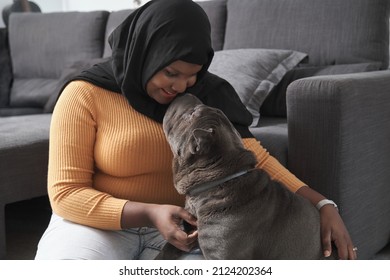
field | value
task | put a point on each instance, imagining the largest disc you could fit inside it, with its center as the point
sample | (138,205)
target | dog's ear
(201,140)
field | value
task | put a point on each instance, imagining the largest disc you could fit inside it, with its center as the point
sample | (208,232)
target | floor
(25,223)
(27,220)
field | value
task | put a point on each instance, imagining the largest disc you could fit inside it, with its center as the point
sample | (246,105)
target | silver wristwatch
(325,202)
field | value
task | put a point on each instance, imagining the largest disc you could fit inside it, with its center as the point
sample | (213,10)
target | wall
(45,5)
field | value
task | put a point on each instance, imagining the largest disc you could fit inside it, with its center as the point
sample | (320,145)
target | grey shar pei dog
(241,213)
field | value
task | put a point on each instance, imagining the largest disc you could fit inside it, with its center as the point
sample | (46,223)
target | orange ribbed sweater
(104,153)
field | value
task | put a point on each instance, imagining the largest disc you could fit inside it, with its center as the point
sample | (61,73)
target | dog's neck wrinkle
(204,187)
(215,201)
(221,166)
(200,172)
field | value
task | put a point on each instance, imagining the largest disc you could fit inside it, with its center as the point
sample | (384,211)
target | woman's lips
(169,93)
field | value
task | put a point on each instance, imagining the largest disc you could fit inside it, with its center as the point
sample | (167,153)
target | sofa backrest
(43,44)
(215,10)
(329,31)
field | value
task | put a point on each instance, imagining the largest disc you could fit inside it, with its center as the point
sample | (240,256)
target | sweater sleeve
(273,167)
(71,163)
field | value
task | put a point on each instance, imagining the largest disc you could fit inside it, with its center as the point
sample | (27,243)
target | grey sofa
(325,114)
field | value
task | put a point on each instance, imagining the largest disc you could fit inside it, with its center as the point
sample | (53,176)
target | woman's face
(172,80)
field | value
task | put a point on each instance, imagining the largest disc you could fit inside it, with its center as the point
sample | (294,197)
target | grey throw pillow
(253,73)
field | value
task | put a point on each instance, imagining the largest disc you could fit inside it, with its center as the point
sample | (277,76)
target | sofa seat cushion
(329,31)
(19,131)
(24,148)
(273,136)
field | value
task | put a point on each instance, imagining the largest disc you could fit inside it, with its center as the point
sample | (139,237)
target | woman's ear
(201,141)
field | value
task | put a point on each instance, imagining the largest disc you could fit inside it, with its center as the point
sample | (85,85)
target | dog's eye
(178,151)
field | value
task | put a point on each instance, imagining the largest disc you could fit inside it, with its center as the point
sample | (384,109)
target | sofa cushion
(32,92)
(114,19)
(254,72)
(215,10)
(5,69)
(273,136)
(275,104)
(329,31)
(9,111)
(67,74)
(24,149)
(42,45)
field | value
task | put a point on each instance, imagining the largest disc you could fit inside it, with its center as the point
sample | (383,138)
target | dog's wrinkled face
(193,128)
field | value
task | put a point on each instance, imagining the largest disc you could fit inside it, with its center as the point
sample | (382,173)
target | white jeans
(66,240)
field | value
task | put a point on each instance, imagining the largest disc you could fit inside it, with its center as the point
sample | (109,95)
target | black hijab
(154,36)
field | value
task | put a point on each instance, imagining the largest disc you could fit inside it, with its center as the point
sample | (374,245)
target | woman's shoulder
(80,89)
(73,96)
(80,93)
(80,86)
(77,93)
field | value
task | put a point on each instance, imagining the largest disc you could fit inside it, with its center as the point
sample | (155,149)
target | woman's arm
(272,166)
(332,226)
(71,162)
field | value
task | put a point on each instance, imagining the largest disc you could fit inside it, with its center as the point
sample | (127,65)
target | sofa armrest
(339,144)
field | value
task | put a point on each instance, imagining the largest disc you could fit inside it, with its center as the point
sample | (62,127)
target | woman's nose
(179,86)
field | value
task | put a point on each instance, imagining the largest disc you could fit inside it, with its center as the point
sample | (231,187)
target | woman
(109,180)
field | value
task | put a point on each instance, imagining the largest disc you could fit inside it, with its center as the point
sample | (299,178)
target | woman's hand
(334,230)
(168,219)
(332,227)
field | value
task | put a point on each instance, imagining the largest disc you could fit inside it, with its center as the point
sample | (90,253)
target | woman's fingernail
(327,253)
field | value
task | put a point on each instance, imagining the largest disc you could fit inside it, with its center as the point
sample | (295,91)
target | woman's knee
(66,240)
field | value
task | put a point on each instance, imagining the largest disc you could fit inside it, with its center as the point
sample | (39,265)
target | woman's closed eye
(170,74)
